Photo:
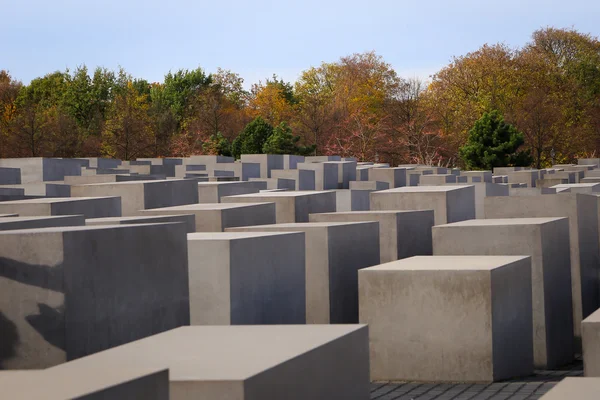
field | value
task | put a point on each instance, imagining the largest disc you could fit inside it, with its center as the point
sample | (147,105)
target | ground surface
(530,388)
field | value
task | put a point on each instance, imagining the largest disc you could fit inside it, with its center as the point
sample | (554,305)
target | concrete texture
(395,177)
(477,176)
(317,362)
(335,251)
(73,291)
(14,223)
(465,319)
(575,388)
(590,335)
(450,203)
(304,178)
(528,177)
(580,187)
(291,161)
(143,195)
(277,183)
(188,219)
(240,278)
(352,200)
(583,234)
(546,240)
(211,192)
(267,162)
(369,185)
(54,189)
(291,206)
(437,179)
(326,174)
(242,170)
(10,176)
(37,169)
(346,173)
(217,217)
(483,190)
(89,207)
(402,234)
(111,384)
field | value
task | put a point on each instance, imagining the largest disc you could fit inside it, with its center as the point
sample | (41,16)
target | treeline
(357,106)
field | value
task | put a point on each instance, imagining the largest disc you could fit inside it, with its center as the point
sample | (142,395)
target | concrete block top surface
(64,229)
(207,206)
(376,212)
(36,218)
(118,220)
(421,189)
(502,222)
(224,183)
(448,263)
(300,225)
(48,200)
(233,235)
(226,353)
(59,385)
(295,193)
(8,215)
(593,318)
(125,183)
(575,388)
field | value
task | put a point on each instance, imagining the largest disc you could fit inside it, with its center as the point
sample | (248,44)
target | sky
(260,38)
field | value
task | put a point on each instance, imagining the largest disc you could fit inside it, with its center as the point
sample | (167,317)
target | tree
(252,139)
(494,143)
(282,141)
(217,145)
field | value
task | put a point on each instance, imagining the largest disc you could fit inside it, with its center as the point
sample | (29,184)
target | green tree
(252,138)
(217,145)
(282,141)
(494,143)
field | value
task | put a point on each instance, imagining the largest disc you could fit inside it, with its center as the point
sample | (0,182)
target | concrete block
(574,388)
(188,219)
(483,190)
(143,195)
(14,223)
(317,362)
(67,292)
(37,169)
(291,206)
(291,161)
(590,335)
(242,170)
(583,233)
(546,241)
(435,318)
(352,200)
(450,203)
(112,383)
(267,162)
(216,217)
(304,178)
(320,159)
(212,192)
(402,234)
(89,207)
(346,173)
(277,183)
(477,176)
(335,251)
(97,162)
(395,177)
(182,170)
(580,187)
(10,176)
(528,177)
(241,278)
(437,179)
(589,161)
(43,189)
(326,174)
(369,185)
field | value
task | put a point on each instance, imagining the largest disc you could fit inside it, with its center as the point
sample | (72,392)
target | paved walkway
(530,388)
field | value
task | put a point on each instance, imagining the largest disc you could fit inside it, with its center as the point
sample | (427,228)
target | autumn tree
(128,130)
(282,141)
(217,145)
(9,90)
(494,143)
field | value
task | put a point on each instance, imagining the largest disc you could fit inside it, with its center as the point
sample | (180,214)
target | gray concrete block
(241,278)
(242,170)
(143,195)
(67,292)
(112,383)
(574,388)
(97,162)
(277,183)
(352,200)
(291,206)
(37,169)
(437,179)
(346,173)
(369,185)
(267,162)
(402,234)
(14,223)
(590,335)
(89,207)
(326,174)
(483,190)
(212,192)
(217,217)
(528,177)
(306,362)
(188,219)
(321,159)
(477,176)
(10,176)
(291,161)
(457,319)
(580,187)
(395,177)
(335,251)
(304,178)
(54,189)
(583,233)
(546,241)
(450,203)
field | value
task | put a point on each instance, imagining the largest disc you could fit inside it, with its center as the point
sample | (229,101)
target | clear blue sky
(261,37)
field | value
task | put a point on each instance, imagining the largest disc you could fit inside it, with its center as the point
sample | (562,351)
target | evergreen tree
(252,138)
(494,143)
